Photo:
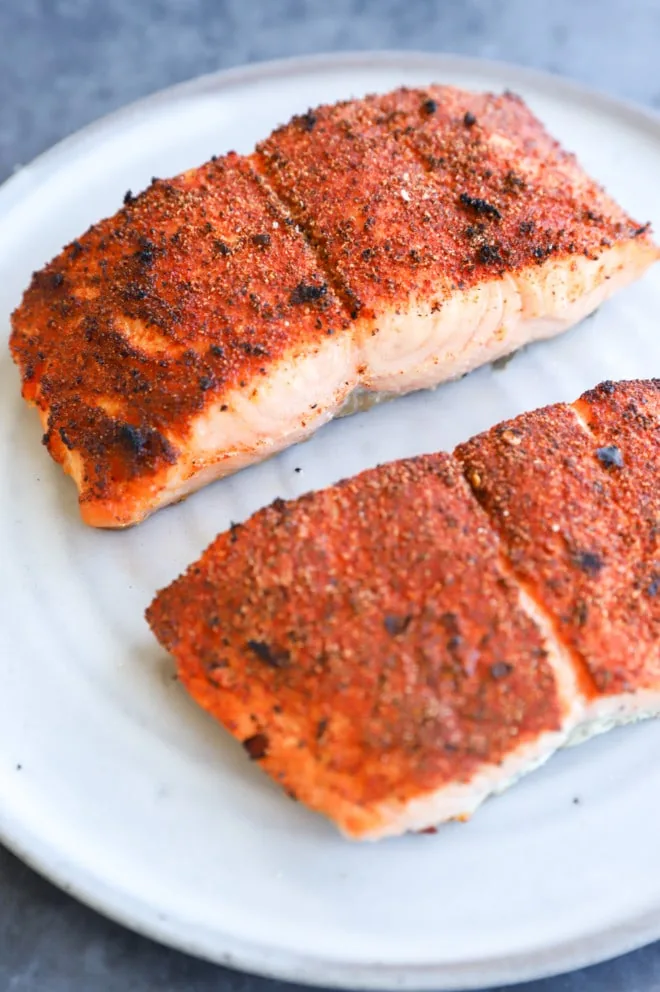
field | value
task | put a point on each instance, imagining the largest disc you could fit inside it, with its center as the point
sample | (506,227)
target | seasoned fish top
(420,192)
(363,641)
(197,287)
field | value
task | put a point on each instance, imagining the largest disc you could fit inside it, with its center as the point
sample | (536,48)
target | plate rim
(255,958)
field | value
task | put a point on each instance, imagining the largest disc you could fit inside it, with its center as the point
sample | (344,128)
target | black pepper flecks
(513,182)
(66,441)
(581,612)
(145,254)
(261,240)
(469,119)
(501,669)
(610,456)
(653,587)
(308,121)
(429,106)
(308,293)
(271,656)
(396,624)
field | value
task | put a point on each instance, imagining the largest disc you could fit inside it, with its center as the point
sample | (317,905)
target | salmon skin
(365,249)
(396,648)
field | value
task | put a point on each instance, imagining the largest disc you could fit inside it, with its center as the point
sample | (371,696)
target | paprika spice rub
(396,648)
(366,249)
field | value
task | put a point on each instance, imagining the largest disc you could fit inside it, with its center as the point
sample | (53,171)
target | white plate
(114,785)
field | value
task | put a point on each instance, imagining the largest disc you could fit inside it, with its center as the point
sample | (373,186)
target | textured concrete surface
(64,63)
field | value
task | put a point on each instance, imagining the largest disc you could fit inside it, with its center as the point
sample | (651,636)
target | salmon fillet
(399,646)
(364,250)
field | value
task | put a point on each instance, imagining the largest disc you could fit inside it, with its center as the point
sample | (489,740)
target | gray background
(64,63)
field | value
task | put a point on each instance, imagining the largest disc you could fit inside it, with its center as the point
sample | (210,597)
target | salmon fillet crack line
(364,250)
(398,647)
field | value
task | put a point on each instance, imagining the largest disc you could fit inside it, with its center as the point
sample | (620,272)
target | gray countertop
(64,63)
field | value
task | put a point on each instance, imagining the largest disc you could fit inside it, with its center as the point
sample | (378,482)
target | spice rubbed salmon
(364,250)
(396,648)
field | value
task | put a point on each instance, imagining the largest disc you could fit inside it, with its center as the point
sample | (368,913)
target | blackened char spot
(134,438)
(610,456)
(308,292)
(256,746)
(66,440)
(654,586)
(429,106)
(469,119)
(489,254)
(145,254)
(308,121)
(480,206)
(274,657)
(129,198)
(396,624)
(501,669)
(590,562)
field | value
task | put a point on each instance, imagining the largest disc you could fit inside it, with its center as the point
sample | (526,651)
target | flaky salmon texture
(365,249)
(398,647)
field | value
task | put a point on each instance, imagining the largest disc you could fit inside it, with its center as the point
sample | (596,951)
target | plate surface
(112,782)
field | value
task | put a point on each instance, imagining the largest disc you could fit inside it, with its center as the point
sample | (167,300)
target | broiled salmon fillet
(573,493)
(396,648)
(366,249)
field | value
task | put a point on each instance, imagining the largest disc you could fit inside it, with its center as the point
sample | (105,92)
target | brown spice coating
(577,531)
(193,288)
(403,198)
(363,641)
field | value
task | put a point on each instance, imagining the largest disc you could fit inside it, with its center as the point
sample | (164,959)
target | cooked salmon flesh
(396,648)
(365,249)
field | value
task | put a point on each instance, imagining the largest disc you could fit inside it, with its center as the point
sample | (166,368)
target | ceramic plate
(112,782)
